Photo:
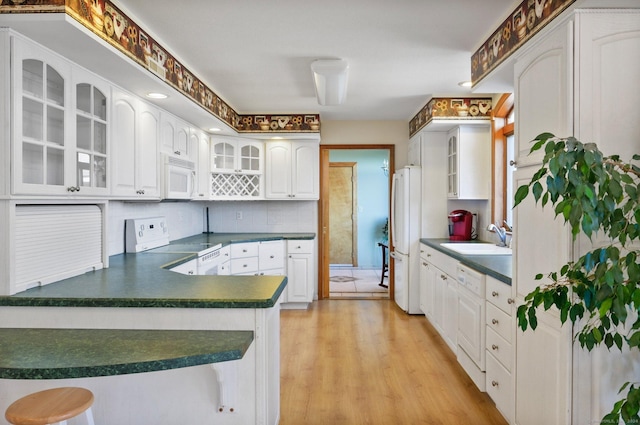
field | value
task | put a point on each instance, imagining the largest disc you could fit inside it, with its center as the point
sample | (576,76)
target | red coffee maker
(460,224)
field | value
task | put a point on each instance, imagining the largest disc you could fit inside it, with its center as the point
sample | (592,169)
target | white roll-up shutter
(54,242)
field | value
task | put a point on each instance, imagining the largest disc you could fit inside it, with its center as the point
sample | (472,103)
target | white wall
(369,133)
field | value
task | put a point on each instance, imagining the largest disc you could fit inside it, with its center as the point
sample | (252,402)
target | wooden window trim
(501,129)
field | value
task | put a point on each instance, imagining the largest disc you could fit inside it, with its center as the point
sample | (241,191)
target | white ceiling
(256,55)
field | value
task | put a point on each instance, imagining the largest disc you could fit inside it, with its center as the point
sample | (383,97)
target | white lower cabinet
(300,273)
(268,258)
(499,346)
(439,293)
(427,280)
(244,258)
(271,258)
(190,268)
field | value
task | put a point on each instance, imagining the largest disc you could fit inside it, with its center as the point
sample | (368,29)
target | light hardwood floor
(367,362)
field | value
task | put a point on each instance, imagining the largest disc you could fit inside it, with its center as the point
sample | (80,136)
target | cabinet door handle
(494,321)
(494,347)
(494,294)
(176,152)
(510,301)
(512,163)
(494,383)
(272,256)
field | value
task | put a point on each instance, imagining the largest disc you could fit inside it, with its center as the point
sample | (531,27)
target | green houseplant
(600,291)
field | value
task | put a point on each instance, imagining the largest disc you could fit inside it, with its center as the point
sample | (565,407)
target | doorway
(375,182)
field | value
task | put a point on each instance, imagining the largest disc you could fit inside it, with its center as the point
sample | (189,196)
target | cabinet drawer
(499,348)
(271,255)
(499,321)
(298,246)
(247,265)
(499,387)
(241,250)
(499,294)
(441,260)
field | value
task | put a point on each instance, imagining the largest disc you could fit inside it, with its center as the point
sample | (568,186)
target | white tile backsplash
(263,216)
(189,218)
(183,219)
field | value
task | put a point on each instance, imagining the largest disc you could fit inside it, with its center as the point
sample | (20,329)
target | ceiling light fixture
(215,129)
(330,77)
(154,95)
(465,83)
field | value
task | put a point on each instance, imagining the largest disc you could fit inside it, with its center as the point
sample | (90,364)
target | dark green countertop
(497,266)
(78,353)
(142,280)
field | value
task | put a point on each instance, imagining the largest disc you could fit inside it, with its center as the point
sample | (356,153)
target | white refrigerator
(405,237)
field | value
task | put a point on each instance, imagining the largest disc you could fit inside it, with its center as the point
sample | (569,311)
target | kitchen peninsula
(138,292)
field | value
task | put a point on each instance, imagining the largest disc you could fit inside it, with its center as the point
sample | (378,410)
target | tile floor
(350,282)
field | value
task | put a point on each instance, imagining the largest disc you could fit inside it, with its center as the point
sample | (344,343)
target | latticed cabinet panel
(236,186)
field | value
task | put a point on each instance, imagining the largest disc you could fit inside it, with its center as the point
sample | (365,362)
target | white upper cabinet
(201,141)
(543,93)
(176,137)
(469,162)
(60,121)
(414,149)
(236,168)
(135,129)
(236,156)
(292,170)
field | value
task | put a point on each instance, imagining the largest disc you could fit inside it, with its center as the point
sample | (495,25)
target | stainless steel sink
(477,248)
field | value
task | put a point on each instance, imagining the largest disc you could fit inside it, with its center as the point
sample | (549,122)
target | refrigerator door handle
(395,257)
(394,184)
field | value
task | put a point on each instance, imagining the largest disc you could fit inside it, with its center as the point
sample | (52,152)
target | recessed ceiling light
(215,129)
(465,83)
(154,95)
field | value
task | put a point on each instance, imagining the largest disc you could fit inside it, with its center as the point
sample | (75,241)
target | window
(503,160)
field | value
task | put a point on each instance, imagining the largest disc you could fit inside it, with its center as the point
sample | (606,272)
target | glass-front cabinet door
(91,106)
(452,164)
(250,160)
(223,156)
(40,106)
(60,125)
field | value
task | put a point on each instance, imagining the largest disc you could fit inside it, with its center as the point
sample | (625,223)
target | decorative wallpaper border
(108,22)
(525,21)
(454,108)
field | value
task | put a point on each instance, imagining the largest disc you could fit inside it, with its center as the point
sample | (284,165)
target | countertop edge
(468,260)
(234,345)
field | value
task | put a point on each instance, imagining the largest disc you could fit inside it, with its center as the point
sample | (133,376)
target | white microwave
(179,178)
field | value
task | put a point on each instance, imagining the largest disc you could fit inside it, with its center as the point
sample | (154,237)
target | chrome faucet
(501,232)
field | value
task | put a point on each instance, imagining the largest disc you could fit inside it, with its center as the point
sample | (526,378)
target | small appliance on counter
(142,234)
(460,225)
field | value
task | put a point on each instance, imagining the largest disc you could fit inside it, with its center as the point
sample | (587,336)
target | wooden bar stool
(51,406)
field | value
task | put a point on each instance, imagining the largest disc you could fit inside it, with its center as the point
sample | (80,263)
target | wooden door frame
(354,204)
(323,214)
